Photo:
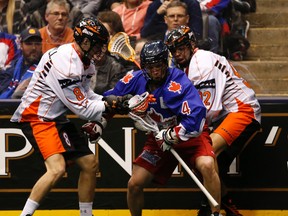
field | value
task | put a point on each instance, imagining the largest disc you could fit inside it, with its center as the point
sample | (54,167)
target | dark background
(262,182)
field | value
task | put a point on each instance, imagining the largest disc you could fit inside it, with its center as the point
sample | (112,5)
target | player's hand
(94,130)
(117,104)
(166,138)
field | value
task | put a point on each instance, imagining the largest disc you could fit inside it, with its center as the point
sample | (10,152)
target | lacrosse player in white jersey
(233,112)
(61,83)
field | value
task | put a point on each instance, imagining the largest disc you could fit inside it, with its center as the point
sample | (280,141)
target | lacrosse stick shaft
(137,64)
(196,180)
(149,124)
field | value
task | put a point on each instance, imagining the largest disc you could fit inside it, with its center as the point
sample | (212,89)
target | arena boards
(145,213)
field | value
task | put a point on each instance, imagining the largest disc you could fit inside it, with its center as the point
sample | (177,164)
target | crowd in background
(28,28)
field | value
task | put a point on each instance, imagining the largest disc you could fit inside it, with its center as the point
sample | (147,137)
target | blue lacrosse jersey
(177,101)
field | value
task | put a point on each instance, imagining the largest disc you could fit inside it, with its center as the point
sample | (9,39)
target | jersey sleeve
(128,85)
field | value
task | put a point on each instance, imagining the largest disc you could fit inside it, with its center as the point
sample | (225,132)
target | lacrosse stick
(150,125)
(120,45)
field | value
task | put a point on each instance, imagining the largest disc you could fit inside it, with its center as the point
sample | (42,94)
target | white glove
(166,138)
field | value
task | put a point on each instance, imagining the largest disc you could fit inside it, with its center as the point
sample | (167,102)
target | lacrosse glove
(166,138)
(117,104)
(93,130)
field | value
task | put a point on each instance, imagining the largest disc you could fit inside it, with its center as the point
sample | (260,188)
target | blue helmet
(153,52)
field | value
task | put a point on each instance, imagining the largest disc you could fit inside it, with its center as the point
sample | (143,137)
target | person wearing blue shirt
(175,106)
(15,78)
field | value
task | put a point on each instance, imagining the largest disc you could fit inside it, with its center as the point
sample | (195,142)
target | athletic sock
(29,208)
(85,208)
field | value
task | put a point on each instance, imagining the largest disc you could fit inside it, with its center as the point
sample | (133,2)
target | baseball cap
(28,33)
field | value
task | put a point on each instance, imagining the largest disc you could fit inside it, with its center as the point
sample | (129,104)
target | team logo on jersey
(126,79)
(175,87)
(161,121)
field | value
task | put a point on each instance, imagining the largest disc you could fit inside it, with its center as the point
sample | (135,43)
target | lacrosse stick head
(120,45)
(139,103)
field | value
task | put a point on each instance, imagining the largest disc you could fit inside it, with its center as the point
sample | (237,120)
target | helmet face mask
(90,32)
(181,42)
(154,60)
(179,37)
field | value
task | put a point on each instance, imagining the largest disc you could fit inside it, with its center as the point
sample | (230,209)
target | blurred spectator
(215,9)
(56,32)
(88,7)
(132,13)
(31,5)
(13,20)
(108,72)
(37,18)
(8,49)
(138,47)
(108,5)
(112,21)
(156,23)
(109,69)
(14,80)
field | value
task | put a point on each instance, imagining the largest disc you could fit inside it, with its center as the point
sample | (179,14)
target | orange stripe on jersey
(30,113)
(242,107)
(235,123)
(47,138)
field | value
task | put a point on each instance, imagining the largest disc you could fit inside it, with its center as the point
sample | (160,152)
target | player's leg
(229,139)
(44,137)
(55,166)
(135,195)
(206,166)
(87,183)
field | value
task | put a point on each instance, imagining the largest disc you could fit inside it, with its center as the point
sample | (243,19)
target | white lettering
(5,154)
(126,164)
(272,135)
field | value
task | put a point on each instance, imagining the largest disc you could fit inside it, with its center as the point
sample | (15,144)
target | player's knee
(134,187)
(207,167)
(90,164)
(57,172)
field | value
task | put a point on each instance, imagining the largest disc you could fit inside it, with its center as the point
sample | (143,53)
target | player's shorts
(235,125)
(56,138)
(162,164)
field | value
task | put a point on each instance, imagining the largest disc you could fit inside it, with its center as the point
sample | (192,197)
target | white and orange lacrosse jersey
(221,87)
(60,82)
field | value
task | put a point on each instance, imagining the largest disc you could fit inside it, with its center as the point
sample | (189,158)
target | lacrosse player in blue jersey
(173,104)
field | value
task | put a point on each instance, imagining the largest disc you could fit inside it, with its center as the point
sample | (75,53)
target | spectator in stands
(112,21)
(56,32)
(235,42)
(8,49)
(88,7)
(109,69)
(37,18)
(108,72)
(15,79)
(215,9)
(13,20)
(132,14)
(157,21)
(138,47)
(32,5)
